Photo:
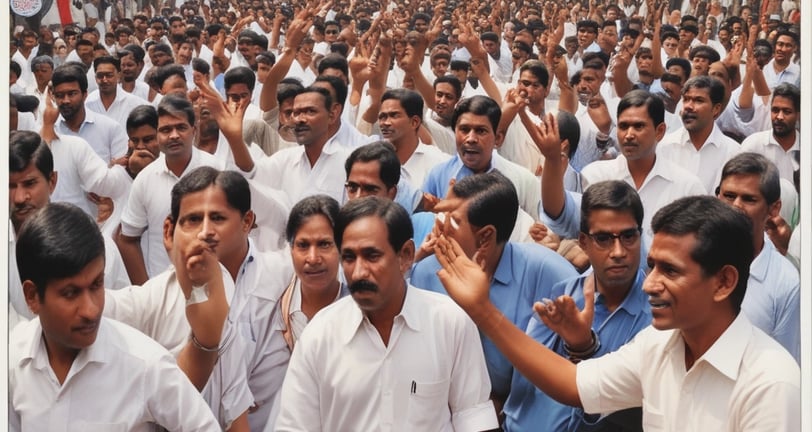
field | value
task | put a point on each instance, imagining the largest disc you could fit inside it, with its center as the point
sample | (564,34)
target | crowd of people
(405,215)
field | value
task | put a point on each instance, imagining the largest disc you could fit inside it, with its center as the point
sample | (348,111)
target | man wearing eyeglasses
(612,216)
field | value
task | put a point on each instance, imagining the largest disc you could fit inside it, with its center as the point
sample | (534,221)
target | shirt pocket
(86,426)
(427,404)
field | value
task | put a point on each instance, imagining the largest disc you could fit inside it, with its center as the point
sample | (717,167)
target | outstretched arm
(468,285)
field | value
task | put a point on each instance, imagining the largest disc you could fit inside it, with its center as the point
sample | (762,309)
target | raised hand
(563,317)
(464,279)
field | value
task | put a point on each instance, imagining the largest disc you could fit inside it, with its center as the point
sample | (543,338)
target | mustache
(363,285)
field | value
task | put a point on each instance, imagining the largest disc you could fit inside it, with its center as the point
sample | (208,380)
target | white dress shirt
(745,381)
(442,136)
(149,204)
(764,143)
(431,376)
(707,162)
(80,170)
(665,183)
(107,138)
(289,170)
(158,309)
(123,382)
(119,110)
(424,158)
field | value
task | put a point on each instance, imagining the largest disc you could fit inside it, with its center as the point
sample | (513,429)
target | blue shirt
(528,408)
(437,179)
(526,273)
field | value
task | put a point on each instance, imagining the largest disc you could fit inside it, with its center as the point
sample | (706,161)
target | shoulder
(132,343)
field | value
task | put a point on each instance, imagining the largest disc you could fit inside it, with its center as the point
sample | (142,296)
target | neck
(178,164)
(640,169)
(698,341)
(698,138)
(383,319)
(405,148)
(234,264)
(492,260)
(76,121)
(107,99)
(537,108)
(128,86)
(786,142)
(60,360)
(315,299)
(613,296)
(313,151)
(758,241)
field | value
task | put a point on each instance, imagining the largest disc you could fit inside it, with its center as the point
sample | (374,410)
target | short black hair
(395,217)
(107,60)
(142,115)
(70,72)
(492,200)
(410,100)
(538,69)
(384,153)
(451,80)
(25,148)
(240,75)
(789,91)
(334,61)
(234,186)
(615,195)
(177,106)
(724,236)
(313,205)
(715,88)
(478,105)
(56,242)
(748,163)
(339,88)
(163,73)
(638,98)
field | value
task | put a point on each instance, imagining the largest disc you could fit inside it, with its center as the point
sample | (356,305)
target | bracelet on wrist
(577,356)
(200,346)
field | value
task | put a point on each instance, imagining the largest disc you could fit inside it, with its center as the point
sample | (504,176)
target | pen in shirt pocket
(414,387)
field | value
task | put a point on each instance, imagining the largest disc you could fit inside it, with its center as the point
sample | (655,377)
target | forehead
(474,120)
(617,219)
(211,199)
(314,225)
(391,105)
(365,170)
(366,232)
(697,92)
(66,86)
(172,119)
(105,67)
(28,172)
(742,183)
(635,114)
(783,102)
(785,39)
(309,99)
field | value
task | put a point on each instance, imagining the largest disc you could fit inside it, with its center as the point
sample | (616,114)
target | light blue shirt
(772,300)
(525,274)
(528,408)
(437,179)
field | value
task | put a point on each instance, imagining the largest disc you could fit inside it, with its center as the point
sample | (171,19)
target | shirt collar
(636,301)
(761,262)
(504,269)
(726,353)
(353,320)
(98,352)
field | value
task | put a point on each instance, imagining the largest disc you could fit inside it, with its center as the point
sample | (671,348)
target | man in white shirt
(781,144)
(399,118)
(109,100)
(316,165)
(781,68)
(131,61)
(71,369)
(108,138)
(423,367)
(700,146)
(701,366)
(33,171)
(149,200)
(216,207)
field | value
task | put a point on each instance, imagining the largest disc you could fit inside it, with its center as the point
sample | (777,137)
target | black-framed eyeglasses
(628,238)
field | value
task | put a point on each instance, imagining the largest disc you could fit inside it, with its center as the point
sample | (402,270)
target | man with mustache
(392,355)
(699,145)
(781,143)
(109,100)
(316,165)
